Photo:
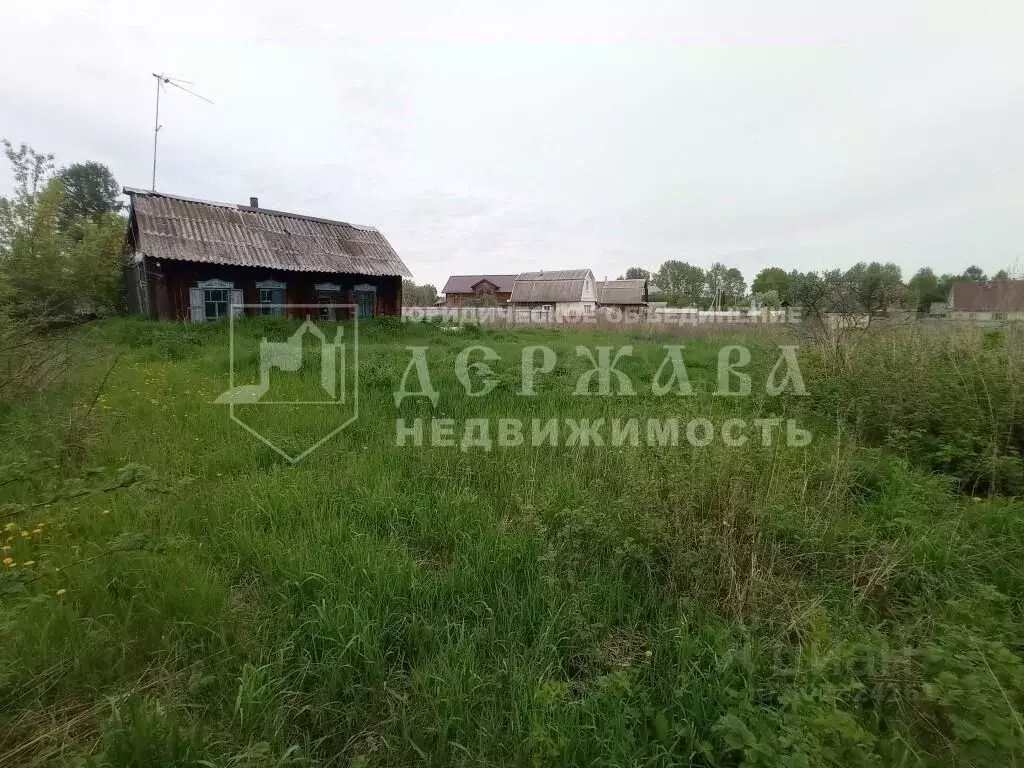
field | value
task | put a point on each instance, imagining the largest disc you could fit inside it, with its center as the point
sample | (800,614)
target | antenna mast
(161,81)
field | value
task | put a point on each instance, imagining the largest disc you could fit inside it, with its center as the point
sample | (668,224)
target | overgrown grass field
(175,593)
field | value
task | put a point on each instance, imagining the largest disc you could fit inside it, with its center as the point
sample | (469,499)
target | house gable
(466,284)
(555,287)
(485,286)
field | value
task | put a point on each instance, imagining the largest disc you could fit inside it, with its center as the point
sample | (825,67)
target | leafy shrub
(951,401)
(973,689)
(387,323)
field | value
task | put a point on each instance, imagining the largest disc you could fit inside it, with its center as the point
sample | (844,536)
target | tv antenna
(161,81)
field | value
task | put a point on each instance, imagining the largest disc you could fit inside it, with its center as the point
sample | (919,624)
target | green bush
(949,400)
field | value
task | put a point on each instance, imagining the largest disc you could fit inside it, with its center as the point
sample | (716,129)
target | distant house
(999,300)
(623,295)
(192,260)
(561,292)
(462,290)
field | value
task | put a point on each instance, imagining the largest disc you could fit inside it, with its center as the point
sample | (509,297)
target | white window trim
(327,287)
(234,299)
(214,284)
(271,307)
(365,287)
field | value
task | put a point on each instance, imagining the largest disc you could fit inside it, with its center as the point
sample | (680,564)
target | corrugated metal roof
(557,274)
(550,287)
(619,292)
(183,229)
(465,283)
(997,296)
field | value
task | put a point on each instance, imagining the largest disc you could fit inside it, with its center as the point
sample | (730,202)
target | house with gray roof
(195,260)
(627,294)
(562,292)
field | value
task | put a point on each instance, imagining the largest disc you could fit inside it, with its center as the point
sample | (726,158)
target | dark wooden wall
(169,283)
(462,299)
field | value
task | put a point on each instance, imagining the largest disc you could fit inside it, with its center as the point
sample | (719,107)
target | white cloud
(482,137)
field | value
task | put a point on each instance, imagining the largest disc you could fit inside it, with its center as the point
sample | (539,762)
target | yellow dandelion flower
(61,592)
(10,527)
(8,561)
(25,534)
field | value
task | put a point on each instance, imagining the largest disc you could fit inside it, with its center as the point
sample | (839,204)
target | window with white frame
(216,302)
(213,300)
(272,297)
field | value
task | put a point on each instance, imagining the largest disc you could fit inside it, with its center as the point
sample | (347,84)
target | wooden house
(193,260)
(478,290)
(623,295)
(563,293)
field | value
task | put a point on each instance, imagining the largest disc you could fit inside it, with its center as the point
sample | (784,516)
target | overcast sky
(501,137)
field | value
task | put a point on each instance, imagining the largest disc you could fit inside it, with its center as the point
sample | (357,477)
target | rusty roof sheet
(618,292)
(996,296)
(550,287)
(183,229)
(465,283)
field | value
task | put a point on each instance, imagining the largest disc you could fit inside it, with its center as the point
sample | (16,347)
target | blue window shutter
(196,301)
(236,302)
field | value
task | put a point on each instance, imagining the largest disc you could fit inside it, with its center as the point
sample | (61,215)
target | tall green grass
(853,602)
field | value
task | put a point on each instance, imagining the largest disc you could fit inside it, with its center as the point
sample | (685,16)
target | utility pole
(161,81)
(156,129)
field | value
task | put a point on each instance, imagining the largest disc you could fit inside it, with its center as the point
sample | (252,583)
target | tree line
(62,244)
(414,295)
(61,239)
(865,287)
